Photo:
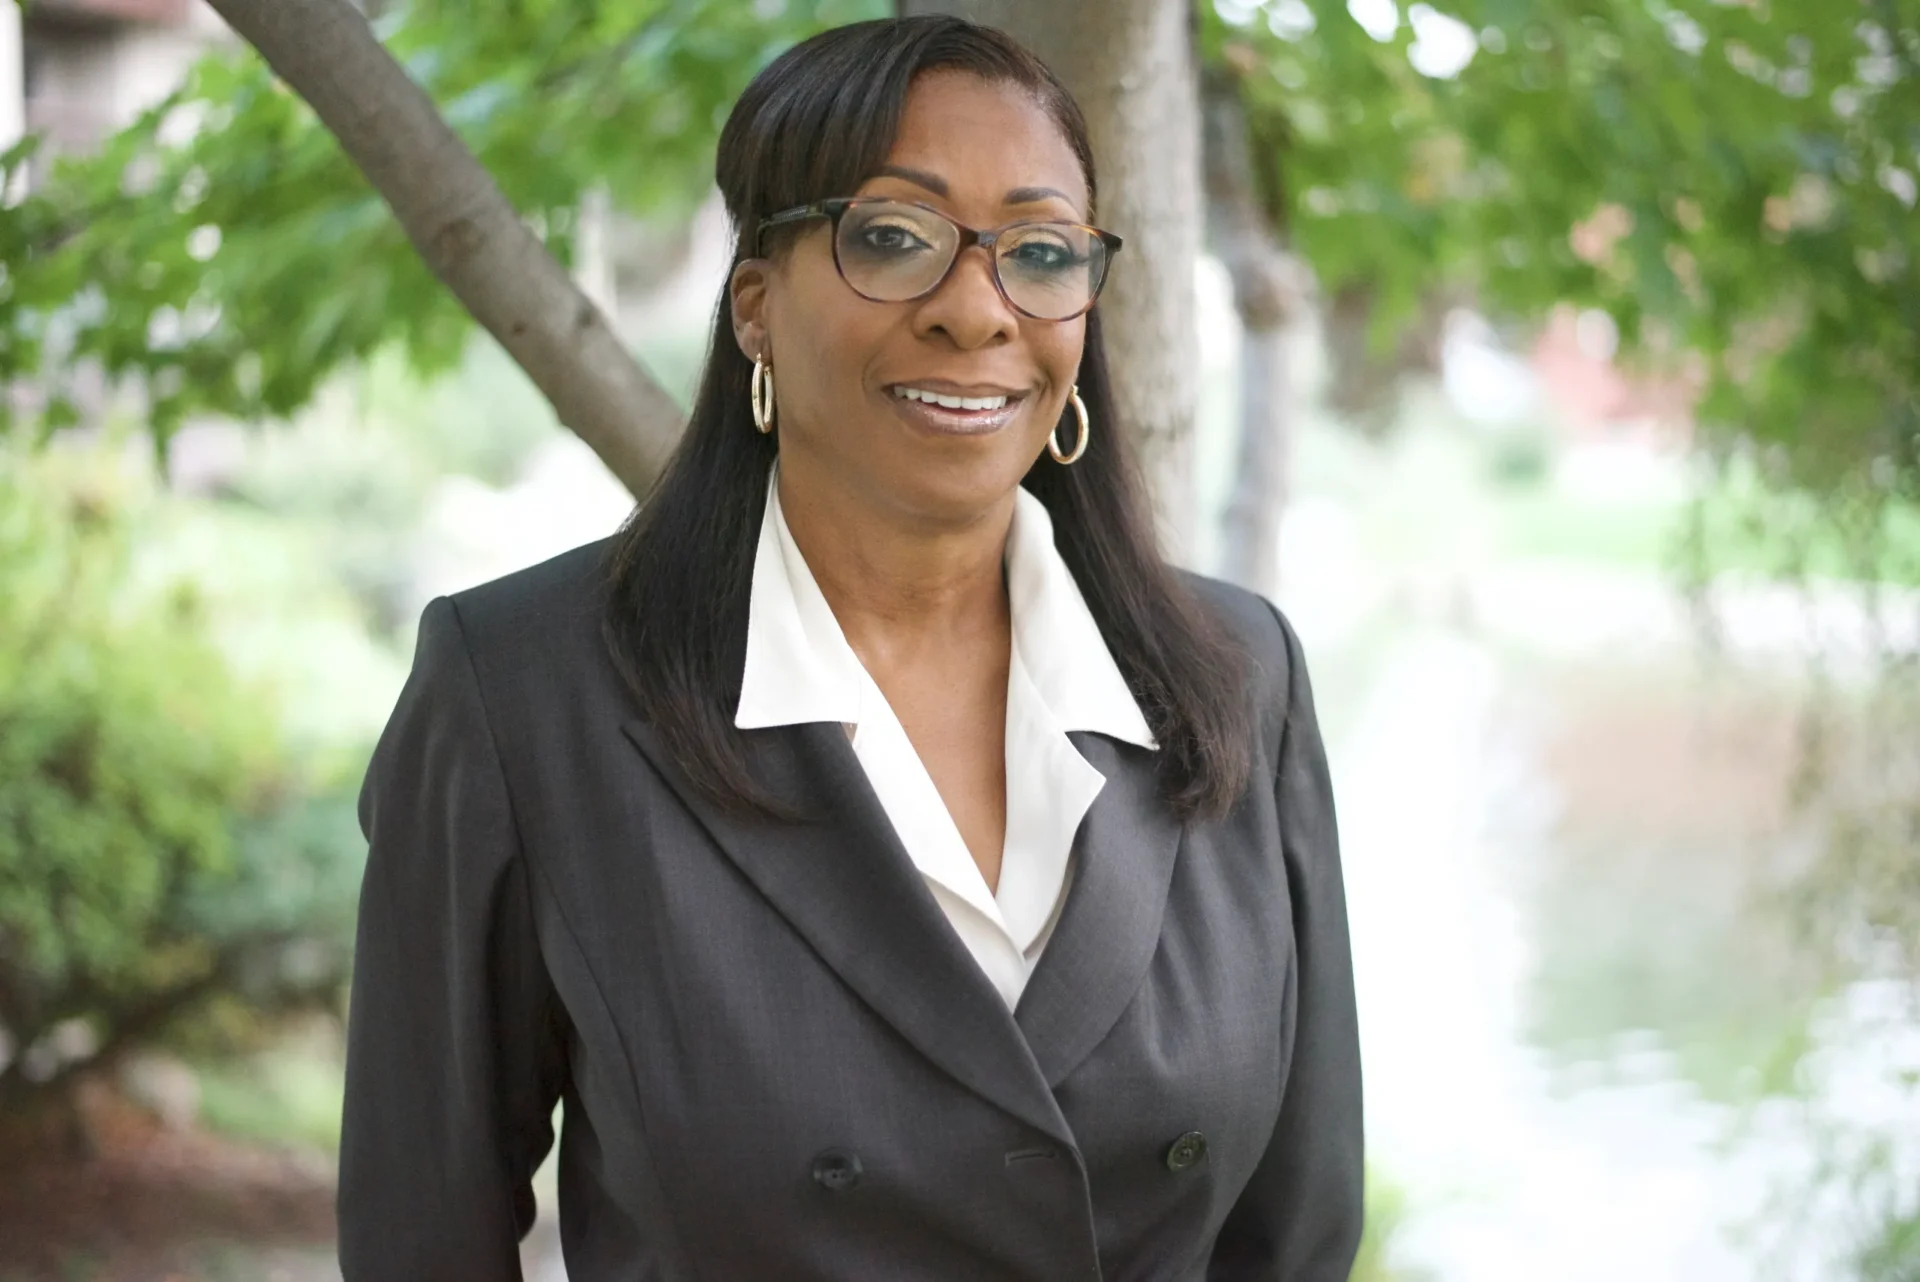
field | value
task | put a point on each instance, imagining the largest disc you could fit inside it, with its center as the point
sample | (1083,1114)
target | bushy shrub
(160,845)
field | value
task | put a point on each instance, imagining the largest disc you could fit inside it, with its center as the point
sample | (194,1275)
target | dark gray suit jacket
(778,1061)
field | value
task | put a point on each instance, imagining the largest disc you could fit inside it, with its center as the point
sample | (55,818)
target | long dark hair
(816,123)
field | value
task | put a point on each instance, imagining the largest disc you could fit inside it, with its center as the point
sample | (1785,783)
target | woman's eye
(1045,255)
(890,237)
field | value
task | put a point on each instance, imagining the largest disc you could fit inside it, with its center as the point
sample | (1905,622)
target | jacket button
(837,1169)
(1186,1151)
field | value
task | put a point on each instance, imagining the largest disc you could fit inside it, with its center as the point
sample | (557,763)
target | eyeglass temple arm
(820,209)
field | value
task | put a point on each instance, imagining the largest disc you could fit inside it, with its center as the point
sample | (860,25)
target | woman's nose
(968,306)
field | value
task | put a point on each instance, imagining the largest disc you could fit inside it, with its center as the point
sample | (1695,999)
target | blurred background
(1552,363)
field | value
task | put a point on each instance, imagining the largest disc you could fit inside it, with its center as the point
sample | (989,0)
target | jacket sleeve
(1299,1218)
(454,1049)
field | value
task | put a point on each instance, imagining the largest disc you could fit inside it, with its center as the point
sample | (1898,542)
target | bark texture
(1268,293)
(465,229)
(1132,66)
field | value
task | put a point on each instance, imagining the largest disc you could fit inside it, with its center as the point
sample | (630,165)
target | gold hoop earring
(760,391)
(1080,445)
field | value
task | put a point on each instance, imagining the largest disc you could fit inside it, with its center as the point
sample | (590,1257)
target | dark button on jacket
(1186,1151)
(837,1169)
(551,910)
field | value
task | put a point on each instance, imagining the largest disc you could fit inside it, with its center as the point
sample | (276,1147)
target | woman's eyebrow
(918,177)
(1034,195)
(938,186)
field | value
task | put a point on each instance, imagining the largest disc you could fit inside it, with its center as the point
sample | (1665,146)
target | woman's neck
(902,587)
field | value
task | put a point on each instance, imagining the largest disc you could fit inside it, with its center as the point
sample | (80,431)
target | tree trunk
(1263,465)
(593,250)
(465,229)
(1267,291)
(1132,66)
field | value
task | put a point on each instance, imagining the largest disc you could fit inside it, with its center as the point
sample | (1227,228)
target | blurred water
(1508,1182)
(1572,1039)
(1514,1168)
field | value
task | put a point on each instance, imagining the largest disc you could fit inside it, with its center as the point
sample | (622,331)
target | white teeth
(951,402)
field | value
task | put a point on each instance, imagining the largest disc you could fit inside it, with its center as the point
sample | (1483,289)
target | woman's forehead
(966,138)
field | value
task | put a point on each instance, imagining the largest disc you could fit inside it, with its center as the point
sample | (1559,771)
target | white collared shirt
(1061,677)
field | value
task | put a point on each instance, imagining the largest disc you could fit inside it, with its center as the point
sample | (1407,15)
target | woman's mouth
(974,412)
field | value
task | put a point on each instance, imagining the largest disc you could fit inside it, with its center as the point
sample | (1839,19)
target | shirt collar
(1065,656)
(800,668)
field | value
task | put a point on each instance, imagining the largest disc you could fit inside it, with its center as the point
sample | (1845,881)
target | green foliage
(224,256)
(277,1097)
(1520,456)
(1893,1252)
(1733,183)
(344,487)
(160,842)
(123,745)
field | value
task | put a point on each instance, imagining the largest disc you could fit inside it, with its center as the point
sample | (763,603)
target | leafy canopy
(226,256)
(1733,181)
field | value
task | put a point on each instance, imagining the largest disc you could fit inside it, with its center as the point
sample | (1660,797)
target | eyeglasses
(893,251)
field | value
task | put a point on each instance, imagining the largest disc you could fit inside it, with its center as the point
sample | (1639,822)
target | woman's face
(985,154)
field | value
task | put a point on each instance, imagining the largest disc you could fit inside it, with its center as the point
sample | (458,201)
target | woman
(894,868)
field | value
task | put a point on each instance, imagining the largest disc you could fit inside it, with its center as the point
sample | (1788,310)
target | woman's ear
(747,290)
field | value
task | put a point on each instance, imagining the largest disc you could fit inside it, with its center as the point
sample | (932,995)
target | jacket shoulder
(542,618)
(1249,618)
(1262,632)
(562,585)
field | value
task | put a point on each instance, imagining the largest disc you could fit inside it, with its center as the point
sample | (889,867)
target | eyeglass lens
(892,252)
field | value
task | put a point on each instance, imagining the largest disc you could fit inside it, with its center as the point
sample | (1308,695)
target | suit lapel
(1110,928)
(846,884)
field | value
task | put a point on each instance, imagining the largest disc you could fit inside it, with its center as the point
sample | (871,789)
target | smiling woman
(896,867)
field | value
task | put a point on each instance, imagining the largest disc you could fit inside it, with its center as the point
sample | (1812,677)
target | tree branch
(135,1025)
(131,1025)
(1266,286)
(465,229)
